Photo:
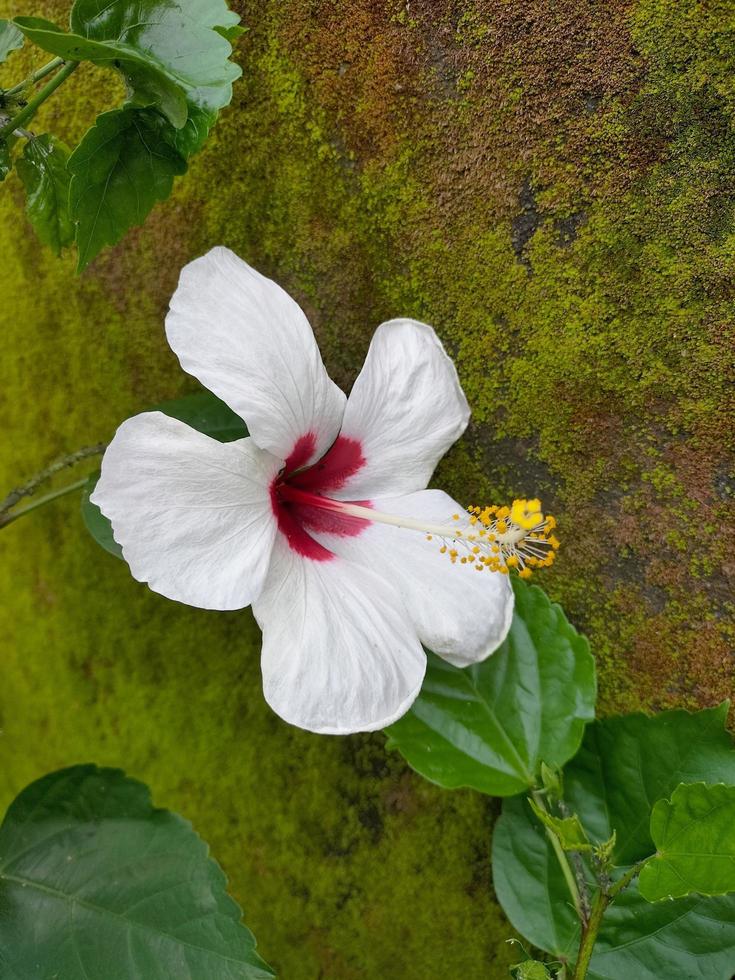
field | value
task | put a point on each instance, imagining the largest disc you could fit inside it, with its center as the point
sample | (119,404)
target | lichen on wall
(551,186)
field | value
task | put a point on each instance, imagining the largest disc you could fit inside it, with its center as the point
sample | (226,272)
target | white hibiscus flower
(320,518)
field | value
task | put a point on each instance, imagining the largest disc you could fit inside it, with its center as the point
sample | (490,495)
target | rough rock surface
(552,186)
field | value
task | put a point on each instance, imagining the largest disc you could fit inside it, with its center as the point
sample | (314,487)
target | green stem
(42,501)
(35,77)
(29,111)
(614,890)
(589,935)
(563,862)
(31,486)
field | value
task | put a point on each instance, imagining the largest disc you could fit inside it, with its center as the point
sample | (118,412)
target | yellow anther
(455,517)
(443,549)
(502,527)
(511,561)
(525,573)
(429,537)
(475,550)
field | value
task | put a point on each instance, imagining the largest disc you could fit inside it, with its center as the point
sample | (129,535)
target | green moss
(551,186)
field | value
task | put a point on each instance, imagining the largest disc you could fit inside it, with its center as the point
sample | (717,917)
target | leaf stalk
(563,861)
(35,77)
(34,104)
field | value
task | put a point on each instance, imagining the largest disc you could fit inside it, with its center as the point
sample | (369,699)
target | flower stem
(32,485)
(563,862)
(41,502)
(29,111)
(35,77)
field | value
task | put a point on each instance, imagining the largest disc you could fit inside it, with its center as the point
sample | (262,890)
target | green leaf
(43,170)
(552,781)
(605,785)
(168,51)
(568,829)
(231,33)
(96,882)
(11,39)
(120,169)
(627,763)
(95,521)
(202,411)
(637,939)
(191,137)
(491,725)
(694,834)
(530,970)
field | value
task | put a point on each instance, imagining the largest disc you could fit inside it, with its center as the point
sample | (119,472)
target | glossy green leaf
(694,834)
(202,411)
(168,51)
(490,726)
(120,169)
(605,785)
(11,39)
(190,138)
(43,170)
(627,763)
(96,882)
(568,829)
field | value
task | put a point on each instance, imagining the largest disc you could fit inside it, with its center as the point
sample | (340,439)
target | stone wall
(551,185)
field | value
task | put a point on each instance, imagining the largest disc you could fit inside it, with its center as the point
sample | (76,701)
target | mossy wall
(552,186)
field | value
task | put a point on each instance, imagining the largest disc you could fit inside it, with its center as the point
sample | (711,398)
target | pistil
(488,538)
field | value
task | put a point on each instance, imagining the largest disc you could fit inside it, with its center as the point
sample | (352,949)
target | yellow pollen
(498,539)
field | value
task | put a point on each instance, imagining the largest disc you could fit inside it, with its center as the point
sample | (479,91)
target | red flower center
(300,495)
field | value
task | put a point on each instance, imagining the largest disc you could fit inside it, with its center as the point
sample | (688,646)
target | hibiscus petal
(405,410)
(458,612)
(247,341)
(340,654)
(193,515)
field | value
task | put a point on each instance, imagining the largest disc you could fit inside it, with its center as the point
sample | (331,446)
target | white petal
(405,409)
(340,654)
(247,341)
(193,515)
(459,613)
